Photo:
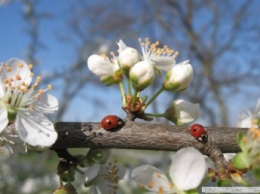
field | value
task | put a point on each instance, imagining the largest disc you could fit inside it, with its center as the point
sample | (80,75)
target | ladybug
(112,122)
(199,132)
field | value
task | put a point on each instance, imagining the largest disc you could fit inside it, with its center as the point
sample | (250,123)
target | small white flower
(10,142)
(251,119)
(22,104)
(107,69)
(187,170)
(182,112)
(142,73)
(128,57)
(179,77)
(103,178)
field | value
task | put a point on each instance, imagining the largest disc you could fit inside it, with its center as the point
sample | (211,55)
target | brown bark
(136,135)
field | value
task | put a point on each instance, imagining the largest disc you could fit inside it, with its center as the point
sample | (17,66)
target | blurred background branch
(220,38)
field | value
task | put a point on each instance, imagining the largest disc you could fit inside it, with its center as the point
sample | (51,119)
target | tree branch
(136,135)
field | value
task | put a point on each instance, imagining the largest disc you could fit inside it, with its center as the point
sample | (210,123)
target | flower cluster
(251,119)
(249,143)
(139,70)
(23,104)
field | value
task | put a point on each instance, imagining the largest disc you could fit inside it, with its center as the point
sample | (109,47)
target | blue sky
(56,54)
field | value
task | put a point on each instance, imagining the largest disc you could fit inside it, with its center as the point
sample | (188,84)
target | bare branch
(136,135)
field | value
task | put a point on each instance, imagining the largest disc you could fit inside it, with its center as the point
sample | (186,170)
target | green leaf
(240,141)
(108,80)
(158,71)
(241,161)
(193,191)
(256,171)
(225,183)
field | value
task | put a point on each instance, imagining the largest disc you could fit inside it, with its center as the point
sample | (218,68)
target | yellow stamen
(150,184)
(160,190)
(158,175)
(141,186)
(41,91)
(31,75)
(50,87)
(38,79)
(9,69)
(255,132)
(34,86)
(20,65)
(6,81)
(18,77)
(31,107)
(30,66)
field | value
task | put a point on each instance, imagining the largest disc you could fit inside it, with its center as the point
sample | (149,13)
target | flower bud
(108,71)
(182,112)
(179,77)
(98,155)
(128,58)
(142,75)
(66,189)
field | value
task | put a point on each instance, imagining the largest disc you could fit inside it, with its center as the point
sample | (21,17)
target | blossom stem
(122,90)
(129,86)
(79,171)
(155,114)
(61,183)
(154,96)
(136,94)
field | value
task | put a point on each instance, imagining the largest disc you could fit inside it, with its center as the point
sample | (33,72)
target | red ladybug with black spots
(112,122)
(199,132)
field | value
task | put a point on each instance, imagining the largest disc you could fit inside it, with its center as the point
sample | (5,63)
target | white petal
(163,63)
(188,168)
(148,175)
(3,119)
(94,190)
(257,109)
(24,72)
(35,129)
(143,70)
(122,46)
(100,66)
(245,123)
(92,172)
(1,90)
(47,103)
(5,153)
(187,111)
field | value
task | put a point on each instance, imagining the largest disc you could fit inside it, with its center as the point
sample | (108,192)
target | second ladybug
(199,132)
(112,122)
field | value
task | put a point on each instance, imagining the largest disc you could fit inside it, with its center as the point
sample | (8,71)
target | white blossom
(187,170)
(22,105)
(128,57)
(179,77)
(182,112)
(107,69)
(154,59)
(251,119)
(103,178)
